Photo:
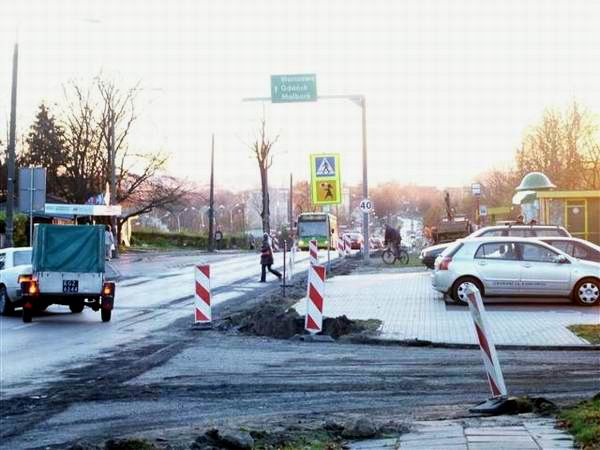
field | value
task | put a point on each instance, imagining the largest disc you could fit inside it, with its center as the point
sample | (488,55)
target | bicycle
(389,257)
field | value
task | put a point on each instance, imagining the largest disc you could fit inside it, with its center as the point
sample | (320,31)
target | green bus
(322,227)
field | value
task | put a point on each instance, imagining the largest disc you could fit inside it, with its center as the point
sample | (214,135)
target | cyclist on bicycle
(393,239)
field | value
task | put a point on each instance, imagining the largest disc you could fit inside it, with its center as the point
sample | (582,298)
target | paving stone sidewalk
(410,309)
(522,432)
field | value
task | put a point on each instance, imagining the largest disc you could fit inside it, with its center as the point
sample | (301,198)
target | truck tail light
(33,288)
(108,290)
(29,285)
(445,263)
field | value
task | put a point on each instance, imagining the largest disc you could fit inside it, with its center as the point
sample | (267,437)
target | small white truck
(14,262)
(67,269)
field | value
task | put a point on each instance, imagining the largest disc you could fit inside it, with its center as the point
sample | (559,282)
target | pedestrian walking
(109,242)
(266,260)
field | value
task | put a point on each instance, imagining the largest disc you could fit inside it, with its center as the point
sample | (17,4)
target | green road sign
(326,184)
(294,88)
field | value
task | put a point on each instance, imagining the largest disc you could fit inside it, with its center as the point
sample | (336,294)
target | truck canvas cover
(68,248)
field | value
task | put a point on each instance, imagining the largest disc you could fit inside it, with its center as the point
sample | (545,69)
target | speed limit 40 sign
(366,205)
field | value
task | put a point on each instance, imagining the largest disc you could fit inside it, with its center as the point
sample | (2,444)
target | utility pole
(211,198)
(113,180)
(291,203)
(10,191)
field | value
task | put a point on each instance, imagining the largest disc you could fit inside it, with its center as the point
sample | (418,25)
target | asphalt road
(153,291)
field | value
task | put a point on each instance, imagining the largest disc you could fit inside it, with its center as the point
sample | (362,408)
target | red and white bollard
(313,252)
(347,243)
(275,244)
(341,247)
(202,307)
(313,321)
(488,354)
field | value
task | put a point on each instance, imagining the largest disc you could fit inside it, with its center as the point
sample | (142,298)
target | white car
(14,262)
(512,266)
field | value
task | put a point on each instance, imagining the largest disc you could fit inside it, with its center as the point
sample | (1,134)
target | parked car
(577,248)
(377,242)
(14,262)
(512,266)
(356,240)
(429,254)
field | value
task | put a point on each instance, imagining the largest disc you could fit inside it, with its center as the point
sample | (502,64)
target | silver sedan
(511,266)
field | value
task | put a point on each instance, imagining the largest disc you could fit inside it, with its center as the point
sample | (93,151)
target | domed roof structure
(535,181)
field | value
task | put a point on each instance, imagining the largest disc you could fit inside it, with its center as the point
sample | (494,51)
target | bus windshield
(312,229)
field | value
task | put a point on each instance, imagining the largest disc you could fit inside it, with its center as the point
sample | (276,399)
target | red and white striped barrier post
(488,353)
(313,321)
(347,243)
(202,308)
(275,243)
(313,252)
(341,247)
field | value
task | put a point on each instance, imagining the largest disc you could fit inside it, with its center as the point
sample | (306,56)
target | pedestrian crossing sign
(325,179)
(325,166)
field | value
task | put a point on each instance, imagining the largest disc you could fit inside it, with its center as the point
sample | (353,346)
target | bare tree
(83,160)
(563,147)
(88,116)
(262,150)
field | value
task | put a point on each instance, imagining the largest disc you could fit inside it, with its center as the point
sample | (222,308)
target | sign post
(476,191)
(303,88)
(32,193)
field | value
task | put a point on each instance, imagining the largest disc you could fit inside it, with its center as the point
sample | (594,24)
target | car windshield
(22,257)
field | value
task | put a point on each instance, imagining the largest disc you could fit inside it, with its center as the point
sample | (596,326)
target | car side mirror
(561,259)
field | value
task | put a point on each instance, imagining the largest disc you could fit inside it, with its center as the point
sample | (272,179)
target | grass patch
(590,333)
(583,422)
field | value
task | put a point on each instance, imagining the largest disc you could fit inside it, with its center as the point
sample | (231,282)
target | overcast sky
(450,85)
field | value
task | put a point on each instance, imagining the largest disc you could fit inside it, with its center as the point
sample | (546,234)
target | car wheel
(458,289)
(587,292)
(6,306)
(105,314)
(76,308)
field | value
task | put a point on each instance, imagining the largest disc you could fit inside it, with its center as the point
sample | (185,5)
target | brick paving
(522,432)
(410,309)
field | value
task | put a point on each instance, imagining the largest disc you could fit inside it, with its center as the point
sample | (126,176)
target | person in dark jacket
(392,238)
(266,260)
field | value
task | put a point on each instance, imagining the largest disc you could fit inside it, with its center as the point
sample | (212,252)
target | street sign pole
(310,94)
(365,227)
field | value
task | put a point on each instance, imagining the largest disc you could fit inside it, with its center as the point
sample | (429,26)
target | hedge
(20,230)
(158,239)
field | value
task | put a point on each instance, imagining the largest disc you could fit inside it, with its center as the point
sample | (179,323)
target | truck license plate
(70,286)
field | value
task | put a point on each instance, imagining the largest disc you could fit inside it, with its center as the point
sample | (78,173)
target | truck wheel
(6,306)
(76,308)
(27,314)
(105,313)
